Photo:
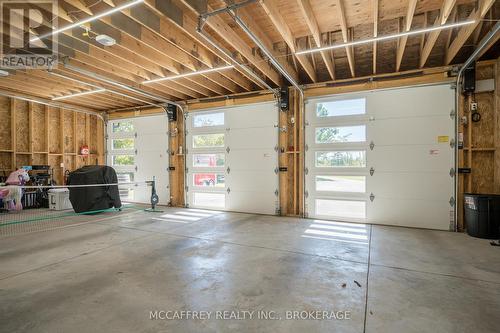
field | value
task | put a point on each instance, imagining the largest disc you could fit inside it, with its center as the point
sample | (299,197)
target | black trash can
(482,215)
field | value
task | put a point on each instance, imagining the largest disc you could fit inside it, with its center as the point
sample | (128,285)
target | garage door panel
(252,180)
(409,130)
(407,158)
(251,138)
(250,160)
(255,159)
(252,202)
(408,102)
(410,160)
(431,214)
(253,115)
(390,185)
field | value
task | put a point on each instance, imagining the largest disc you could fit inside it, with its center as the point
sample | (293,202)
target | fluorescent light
(87,20)
(3,73)
(382,38)
(203,71)
(79,94)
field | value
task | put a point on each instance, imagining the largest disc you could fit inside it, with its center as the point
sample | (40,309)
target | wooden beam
(433,35)
(312,23)
(345,35)
(375,34)
(465,31)
(80,6)
(279,22)
(412,5)
(246,16)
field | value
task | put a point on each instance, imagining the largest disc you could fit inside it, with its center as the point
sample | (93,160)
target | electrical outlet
(473,106)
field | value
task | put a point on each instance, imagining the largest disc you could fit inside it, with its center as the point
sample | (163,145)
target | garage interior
(250,165)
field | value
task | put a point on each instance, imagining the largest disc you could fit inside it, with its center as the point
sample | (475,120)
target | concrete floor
(107,276)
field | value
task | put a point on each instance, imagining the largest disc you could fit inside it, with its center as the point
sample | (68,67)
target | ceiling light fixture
(87,20)
(3,73)
(79,94)
(382,38)
(203,71)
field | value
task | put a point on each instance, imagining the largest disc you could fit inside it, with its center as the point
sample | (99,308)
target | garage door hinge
(228,129)
(372,145)
(452,201)
(135,134)
(187,188)
(276,148)
(452,114)
(306,171)
(228,170)
(276,170)
(228,150)
(276,193)
(228,190)
(452,172)
(135,151)
(372,197)
(307,147)
(306,194)
(372,171)
(187,170)
(452,143)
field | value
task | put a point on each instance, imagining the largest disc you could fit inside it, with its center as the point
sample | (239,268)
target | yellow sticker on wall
(443,138)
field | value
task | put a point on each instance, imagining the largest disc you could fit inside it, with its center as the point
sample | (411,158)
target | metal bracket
(306,147)
(372,171)
(372,145)
(276,193)
(452,143)
(372,197)
(228,150)
(228,170)
(276,148)
(306,194)
(453,114)
(452,172)
(228,190)
(276,170)
(187,188)
(306,171)
(452,201)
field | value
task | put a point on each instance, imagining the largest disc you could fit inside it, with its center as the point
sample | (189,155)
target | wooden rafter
(465,32)
(312,23)
(375,34)
(433,36)
(412,5)
(80,6)
(245,15)
(271,9)
(345,35)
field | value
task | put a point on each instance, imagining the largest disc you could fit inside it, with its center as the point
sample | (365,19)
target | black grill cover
(94,198)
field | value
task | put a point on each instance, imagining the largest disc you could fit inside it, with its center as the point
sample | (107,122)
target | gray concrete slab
(414,302)
(113,290)
(108,275)
(435,251)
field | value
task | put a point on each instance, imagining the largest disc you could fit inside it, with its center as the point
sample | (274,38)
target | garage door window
(209,160)
(208,119)
(331,183)
(123,144)
(341,159)
(215,140)
(123,127)
(123,160)
(341,134)
(208,180)
(341,208)
(346,107)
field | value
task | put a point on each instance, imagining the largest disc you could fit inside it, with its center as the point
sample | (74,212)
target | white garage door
(382,157)
(232,159)
(137,150)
